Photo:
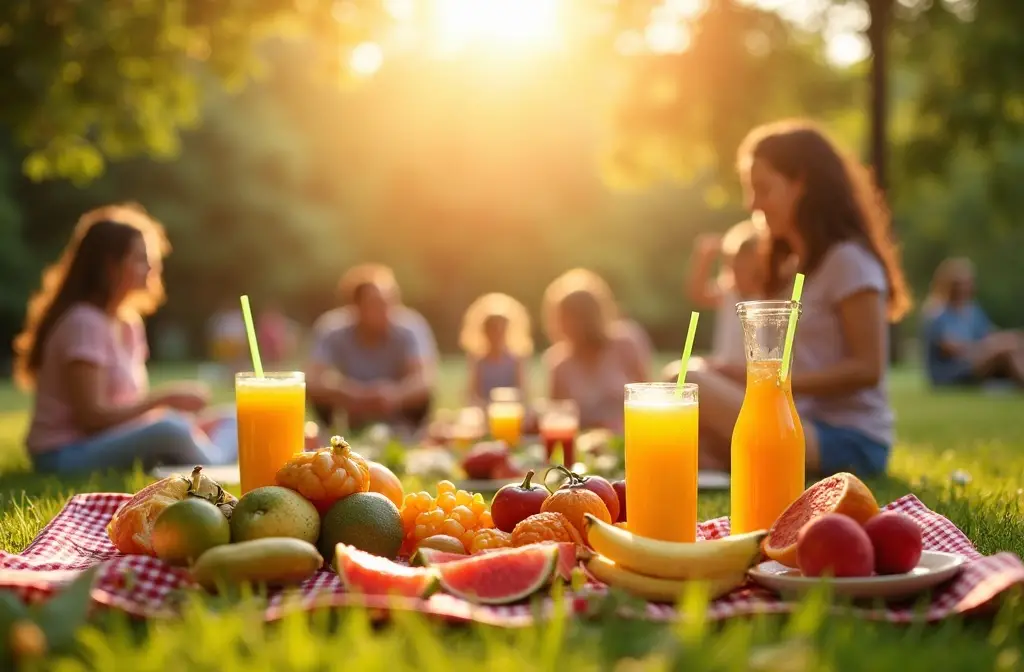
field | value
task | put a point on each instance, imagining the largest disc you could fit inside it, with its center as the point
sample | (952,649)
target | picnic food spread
(334,508)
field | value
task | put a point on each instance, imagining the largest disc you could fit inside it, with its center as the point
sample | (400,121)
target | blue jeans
(170,439)
(845,449)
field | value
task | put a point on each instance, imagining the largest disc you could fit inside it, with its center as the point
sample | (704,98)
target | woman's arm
(86,382)
(863,322)
(473,395)
(521,379)
(701,288)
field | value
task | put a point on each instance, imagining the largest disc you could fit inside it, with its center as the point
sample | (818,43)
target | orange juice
(661,461)
(271,424)
(768,439)
(506,421)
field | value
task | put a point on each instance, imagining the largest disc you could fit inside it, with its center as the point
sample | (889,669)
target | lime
(273,511)
(187,529)
(368,521)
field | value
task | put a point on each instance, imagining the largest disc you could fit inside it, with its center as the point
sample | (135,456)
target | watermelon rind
(368,574)
(541,563)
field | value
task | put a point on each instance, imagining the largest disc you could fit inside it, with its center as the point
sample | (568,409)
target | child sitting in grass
(740,278)
(496,339)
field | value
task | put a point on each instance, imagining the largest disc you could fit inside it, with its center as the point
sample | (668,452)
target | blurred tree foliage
(484,172)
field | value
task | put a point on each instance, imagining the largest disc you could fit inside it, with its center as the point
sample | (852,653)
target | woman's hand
(185,396)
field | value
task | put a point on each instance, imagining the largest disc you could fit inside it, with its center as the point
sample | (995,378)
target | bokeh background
(488,145)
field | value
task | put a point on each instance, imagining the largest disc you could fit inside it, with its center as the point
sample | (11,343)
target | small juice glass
(768,439)
(505,415)
(559,422)
(661,460)
(271,424)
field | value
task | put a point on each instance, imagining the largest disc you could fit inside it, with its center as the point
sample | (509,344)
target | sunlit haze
(529,26)
(508,23)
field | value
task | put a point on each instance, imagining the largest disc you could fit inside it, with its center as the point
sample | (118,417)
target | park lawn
(980,438)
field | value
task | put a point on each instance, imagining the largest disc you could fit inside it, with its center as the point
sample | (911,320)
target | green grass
(939,433)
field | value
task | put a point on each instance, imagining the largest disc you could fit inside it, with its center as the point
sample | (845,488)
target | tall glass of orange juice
(505,415)
(271,424)
(768,439)
(661,460)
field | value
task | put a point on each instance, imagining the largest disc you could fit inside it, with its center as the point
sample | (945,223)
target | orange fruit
(842,493)
(572,501)
(327,475)
(384,481)
(454,513)
(542,527)
(488,538)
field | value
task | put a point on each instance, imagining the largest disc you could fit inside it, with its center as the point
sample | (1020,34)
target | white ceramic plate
(934,568)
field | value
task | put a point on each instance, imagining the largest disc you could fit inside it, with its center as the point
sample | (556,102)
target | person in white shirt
(740,278)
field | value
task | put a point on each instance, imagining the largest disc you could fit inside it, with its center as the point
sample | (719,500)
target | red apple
(484,458)
(515,503)
(620,490)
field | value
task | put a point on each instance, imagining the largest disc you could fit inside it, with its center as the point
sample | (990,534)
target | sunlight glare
(517,23)
(846,49)
(366,59)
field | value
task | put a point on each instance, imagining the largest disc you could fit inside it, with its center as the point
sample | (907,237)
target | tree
(90,80)
(685,113)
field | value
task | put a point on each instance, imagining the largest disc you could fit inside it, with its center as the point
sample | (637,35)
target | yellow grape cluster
(456,513)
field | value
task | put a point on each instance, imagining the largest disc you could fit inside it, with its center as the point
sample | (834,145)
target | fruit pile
(835,529)
(275,535)
(530,513)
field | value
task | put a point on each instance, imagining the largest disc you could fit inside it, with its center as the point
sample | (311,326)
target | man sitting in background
(371,360)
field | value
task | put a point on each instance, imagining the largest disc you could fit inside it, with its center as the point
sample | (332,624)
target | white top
(727,346)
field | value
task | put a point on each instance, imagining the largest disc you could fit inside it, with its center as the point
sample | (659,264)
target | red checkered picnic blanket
(76,539)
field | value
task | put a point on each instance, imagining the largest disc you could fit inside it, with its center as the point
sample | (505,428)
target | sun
(529,24)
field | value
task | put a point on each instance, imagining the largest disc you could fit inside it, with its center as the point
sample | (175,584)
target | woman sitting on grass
(592,362)
(496,339)
(824,215)
(962,347)
(84,352)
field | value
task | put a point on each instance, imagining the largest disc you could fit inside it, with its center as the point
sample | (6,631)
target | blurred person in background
(823,214)
(83,353)
(593,360)
(740,278)
(620,328)
(961,345)
(496,339)
(366,363)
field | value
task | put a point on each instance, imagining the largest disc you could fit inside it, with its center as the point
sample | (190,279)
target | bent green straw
(685,359)
(798,290)
(250,331)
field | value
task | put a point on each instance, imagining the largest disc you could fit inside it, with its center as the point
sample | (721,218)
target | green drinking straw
(250,331)
(685,359)
(798,290)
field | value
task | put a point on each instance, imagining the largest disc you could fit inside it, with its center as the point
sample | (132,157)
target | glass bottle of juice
(768,439)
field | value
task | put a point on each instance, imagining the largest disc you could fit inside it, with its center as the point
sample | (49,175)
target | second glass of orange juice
(768,439)
(505,415)
(271,424)
(661,460)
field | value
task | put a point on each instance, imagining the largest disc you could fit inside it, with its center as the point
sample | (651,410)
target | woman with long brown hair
(592,361)
(962,346)
(83,352)
(825,219)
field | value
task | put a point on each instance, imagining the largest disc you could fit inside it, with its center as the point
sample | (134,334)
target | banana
(656,590)
(674,560)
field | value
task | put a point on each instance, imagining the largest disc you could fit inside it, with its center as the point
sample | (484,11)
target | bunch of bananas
(660,570)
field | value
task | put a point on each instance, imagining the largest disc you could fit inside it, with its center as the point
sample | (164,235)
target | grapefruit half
(841,493)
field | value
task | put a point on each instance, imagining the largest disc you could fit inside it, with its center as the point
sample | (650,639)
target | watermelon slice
(363,572)
(500,578)
(566,556)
